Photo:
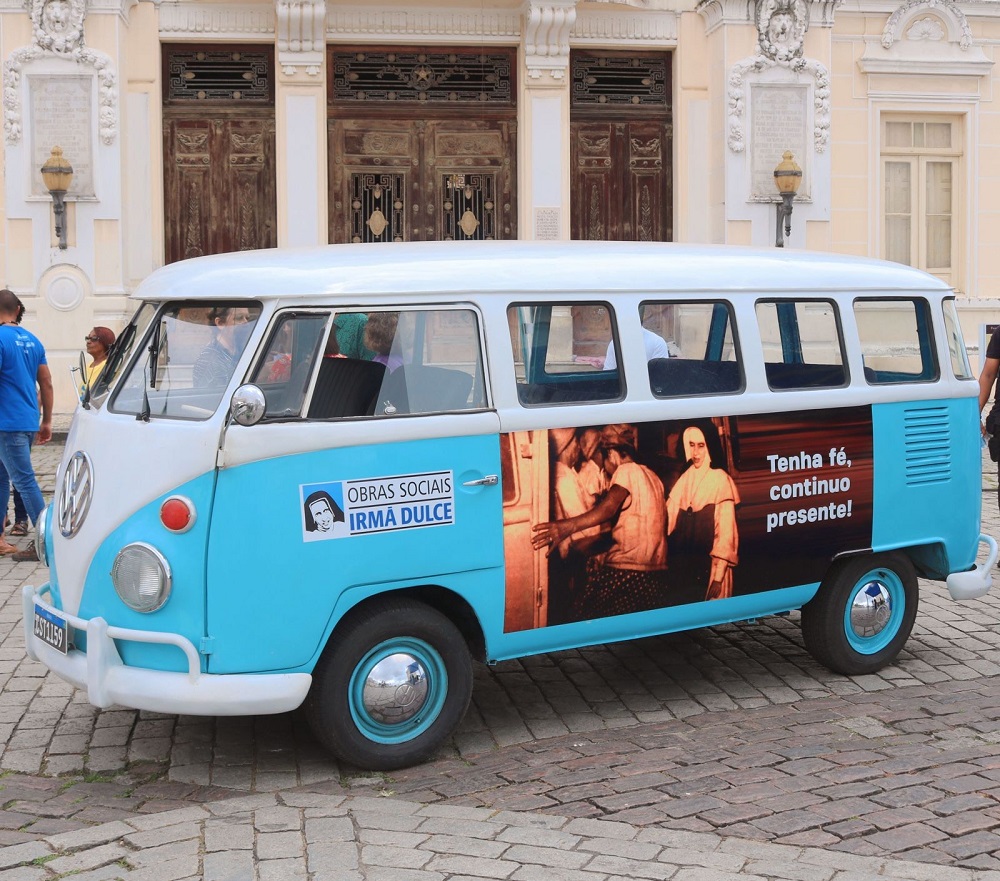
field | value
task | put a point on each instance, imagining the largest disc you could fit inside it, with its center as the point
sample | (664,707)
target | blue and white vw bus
(338,476)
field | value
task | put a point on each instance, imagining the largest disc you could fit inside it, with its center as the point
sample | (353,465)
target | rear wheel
(394,681)
(862,614)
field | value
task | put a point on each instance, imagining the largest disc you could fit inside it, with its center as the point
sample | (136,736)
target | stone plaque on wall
(778,121)
(62,116)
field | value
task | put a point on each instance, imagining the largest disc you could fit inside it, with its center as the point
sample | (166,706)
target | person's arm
(44,379)
(551,534)
(986,381)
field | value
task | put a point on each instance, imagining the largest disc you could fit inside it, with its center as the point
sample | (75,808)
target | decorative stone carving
(345,23)
(895,25)
(605,27)
(547,28)
(57,27)
(301,35)
(781,27)
(926,37)
(641,4)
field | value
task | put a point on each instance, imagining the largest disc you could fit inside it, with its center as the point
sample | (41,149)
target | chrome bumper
(108,681)
(976,582)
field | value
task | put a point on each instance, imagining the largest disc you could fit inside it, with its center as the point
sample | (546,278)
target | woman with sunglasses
(99,341)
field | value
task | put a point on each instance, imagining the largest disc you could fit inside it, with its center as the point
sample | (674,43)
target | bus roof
(473,268)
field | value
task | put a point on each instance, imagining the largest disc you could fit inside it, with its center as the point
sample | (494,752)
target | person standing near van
(989,426)
(24,381)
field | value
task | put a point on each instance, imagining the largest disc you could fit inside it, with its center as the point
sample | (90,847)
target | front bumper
(976,582)
(108,681)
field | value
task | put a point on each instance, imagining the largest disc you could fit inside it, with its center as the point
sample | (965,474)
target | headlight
(141,577)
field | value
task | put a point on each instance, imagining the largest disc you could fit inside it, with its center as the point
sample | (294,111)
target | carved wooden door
(620,147)
(218,151)
(421,180)
(421,145)
(621,181)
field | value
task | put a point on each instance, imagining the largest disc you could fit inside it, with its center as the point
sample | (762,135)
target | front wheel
(393,683)
(862,614)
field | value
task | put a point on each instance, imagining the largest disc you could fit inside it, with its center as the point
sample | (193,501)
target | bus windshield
(187,359)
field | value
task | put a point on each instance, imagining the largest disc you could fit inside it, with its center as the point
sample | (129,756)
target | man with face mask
(215,364)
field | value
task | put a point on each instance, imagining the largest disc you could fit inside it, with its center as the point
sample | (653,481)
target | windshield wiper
(154,352)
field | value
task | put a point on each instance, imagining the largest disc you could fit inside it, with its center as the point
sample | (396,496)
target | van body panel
(393,500)
(184,612)
(928,455)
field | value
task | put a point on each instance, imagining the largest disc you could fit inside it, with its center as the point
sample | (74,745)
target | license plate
(51,629)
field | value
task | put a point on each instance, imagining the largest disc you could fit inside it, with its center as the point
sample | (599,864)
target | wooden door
(395,180)
(620,148)
(218,151)
(421,145)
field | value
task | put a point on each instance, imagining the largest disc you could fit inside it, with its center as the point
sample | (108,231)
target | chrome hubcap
(871,609)
(395,689)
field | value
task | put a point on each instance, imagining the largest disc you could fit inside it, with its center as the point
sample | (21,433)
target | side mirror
(247,405)
(84,387)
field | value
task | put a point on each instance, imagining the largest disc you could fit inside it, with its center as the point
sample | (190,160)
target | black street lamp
(58,174)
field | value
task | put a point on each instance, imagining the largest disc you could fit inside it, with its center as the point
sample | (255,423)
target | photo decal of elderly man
(323,515)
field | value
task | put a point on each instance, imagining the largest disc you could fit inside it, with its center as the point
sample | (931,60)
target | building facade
(196,127)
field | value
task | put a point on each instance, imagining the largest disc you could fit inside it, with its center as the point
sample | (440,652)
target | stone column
(543,162)
(300,111)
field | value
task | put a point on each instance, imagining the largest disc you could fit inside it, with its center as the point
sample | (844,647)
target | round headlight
(141,577)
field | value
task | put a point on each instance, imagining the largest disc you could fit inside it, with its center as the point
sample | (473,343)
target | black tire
(405,720)
(885,588)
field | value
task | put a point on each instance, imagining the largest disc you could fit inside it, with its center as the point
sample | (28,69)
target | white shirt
(656,347)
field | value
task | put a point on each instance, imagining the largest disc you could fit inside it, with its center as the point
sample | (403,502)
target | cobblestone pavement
(700,756)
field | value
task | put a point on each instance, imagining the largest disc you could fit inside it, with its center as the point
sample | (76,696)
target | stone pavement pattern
(708,755)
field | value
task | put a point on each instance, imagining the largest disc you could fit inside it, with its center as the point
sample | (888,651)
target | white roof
(468,268)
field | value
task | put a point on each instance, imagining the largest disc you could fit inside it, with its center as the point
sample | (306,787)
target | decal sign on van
(342,508)
(612,519)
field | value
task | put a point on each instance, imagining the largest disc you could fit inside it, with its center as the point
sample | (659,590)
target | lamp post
(787,177)
(57,174)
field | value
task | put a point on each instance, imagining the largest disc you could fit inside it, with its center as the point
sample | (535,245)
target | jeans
(20,512)
(16,468)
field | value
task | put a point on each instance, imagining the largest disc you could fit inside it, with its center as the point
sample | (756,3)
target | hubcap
(395,689)
(871,609)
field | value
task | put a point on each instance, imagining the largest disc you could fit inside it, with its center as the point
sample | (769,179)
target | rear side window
(700,357)
(802,342)
(896,340)
(565,353)
(956,343)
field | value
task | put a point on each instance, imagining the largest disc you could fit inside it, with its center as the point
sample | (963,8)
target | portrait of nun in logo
(324,517)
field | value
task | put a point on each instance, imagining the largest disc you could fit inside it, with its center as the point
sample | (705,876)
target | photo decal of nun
(702,537)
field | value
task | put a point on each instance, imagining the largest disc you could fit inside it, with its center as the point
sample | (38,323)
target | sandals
(7,548)
(19,528)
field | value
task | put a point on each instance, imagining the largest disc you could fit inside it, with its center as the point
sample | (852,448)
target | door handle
(488,480)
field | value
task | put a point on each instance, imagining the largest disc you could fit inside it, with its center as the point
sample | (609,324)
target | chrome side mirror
(247,405)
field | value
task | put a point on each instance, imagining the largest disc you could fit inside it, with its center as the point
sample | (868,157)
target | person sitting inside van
(214,366)
(656,347)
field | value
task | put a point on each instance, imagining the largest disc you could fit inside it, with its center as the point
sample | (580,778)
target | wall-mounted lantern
(57,174)
(787,177)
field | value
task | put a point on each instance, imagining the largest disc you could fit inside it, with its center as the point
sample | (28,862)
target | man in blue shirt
(24,381)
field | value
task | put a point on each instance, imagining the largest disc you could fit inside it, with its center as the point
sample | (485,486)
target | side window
(956,342)
(690,348)
(565,353)
(291,352)
(390,363)
(803,346)
(896,340)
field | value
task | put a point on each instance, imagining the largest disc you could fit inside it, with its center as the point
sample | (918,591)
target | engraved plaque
(62,116)
(546,223)
(778,122)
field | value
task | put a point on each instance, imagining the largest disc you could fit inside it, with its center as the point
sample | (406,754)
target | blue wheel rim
(888,586)
(437,690)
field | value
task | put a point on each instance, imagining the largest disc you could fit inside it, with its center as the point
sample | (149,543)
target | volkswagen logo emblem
(75,495)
